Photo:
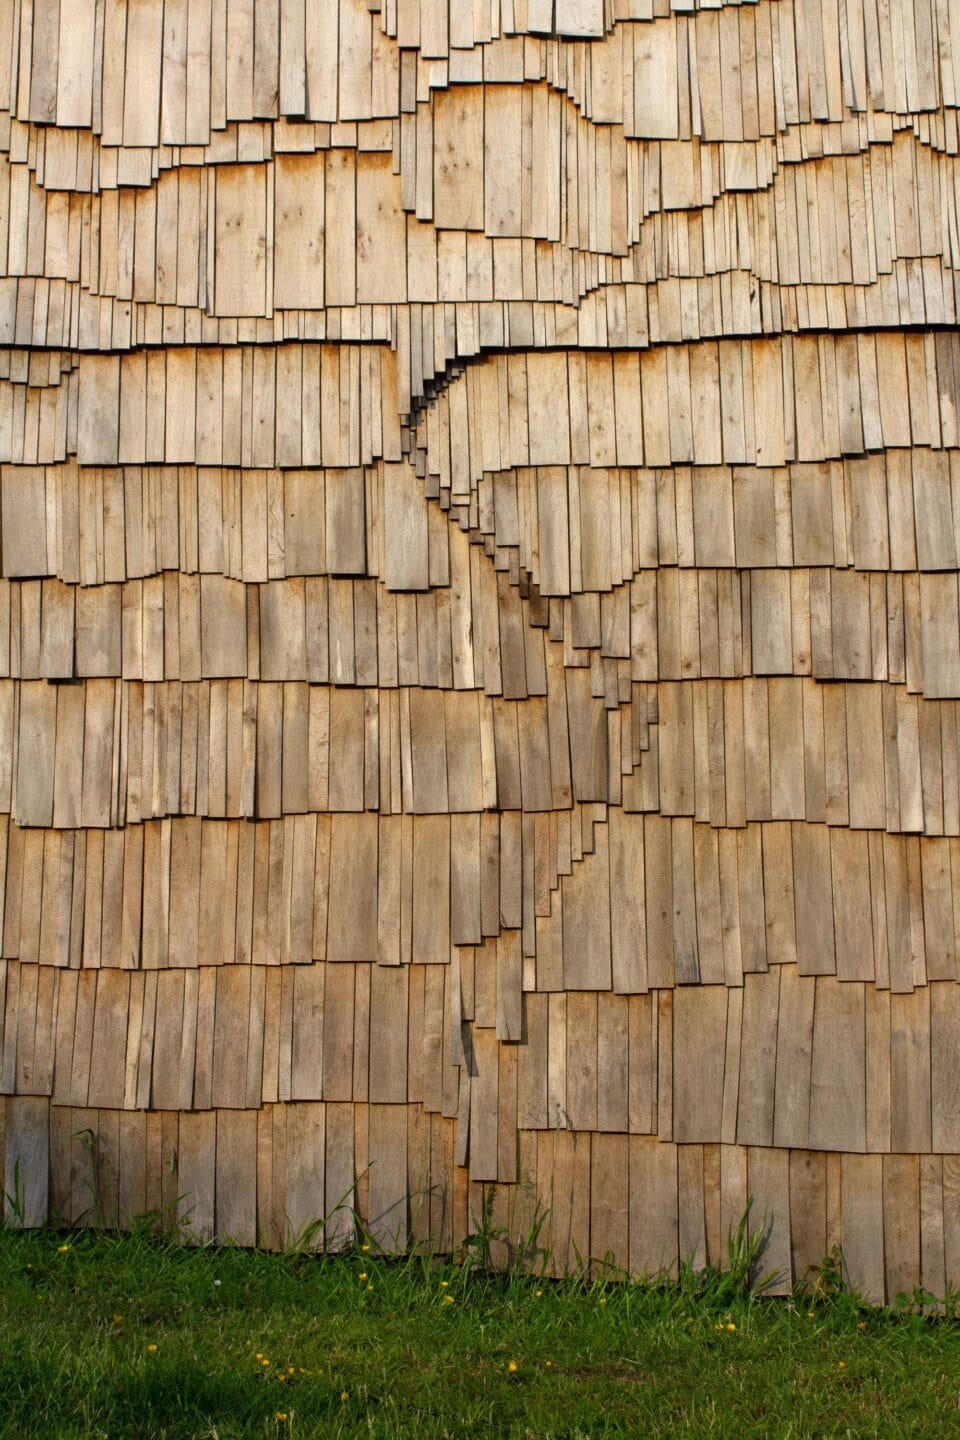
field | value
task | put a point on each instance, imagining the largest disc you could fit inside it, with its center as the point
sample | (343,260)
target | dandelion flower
(282,1378)
(62,1249)
(448,1300)
(365,1248)
(537,1294)
(603,1300)
(281,1414)
(344,1394)
(369,1287)
(512,1367)
(264,1362)
(152,1349)
(218,1282)
(841,1364)
(444,1284)
(117,1319)
(290,1370)
(548,1365)
(259,1355)
(730,1326)
(362,1275)
(862,1325)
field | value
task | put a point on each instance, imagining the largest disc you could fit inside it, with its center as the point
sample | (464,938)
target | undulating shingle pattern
(479,629)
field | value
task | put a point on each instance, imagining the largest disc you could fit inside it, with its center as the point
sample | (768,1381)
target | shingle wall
(479,632)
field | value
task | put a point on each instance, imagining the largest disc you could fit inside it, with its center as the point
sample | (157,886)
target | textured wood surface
(479,621)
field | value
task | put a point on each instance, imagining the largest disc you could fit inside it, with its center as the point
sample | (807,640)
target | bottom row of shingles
(389,1172)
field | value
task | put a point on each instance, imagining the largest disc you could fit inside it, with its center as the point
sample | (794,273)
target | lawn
(119,1336)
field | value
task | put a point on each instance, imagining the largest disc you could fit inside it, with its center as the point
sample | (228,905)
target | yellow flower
(290,1370)
(841,1364)
(548,1365)
(264,1362)
(811,1314)
(365,1248)
(730,1326)
(512,1367)
(444,1284)
(281,1414)
(862,1325)
(281,1378)
(449,1300)
(259,1355)
(117,1319)
(603,1300)
(362,1275)
(369,1287)
(344,1395)
(538,1293)
(62,1249)
(152,1349)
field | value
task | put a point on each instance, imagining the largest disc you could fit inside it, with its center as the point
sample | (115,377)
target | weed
(488,1241)
(740,1278)
(530,1256)
(312,1233)
(13,1200)
(88,1142)
(162,1219)
(478,1245)
(828,1279)
(921,1301)
(745,1246)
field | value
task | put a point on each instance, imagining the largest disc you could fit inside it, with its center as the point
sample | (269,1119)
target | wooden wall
(479,636)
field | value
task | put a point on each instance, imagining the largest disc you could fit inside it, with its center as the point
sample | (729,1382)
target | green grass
(377,1346)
